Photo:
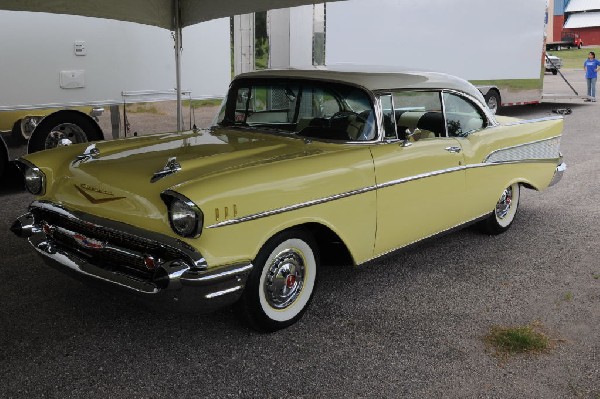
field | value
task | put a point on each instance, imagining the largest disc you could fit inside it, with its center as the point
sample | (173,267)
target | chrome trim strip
(223,292)
(420,176)
(237,270)
(292,207)
(403,180)
(427,237)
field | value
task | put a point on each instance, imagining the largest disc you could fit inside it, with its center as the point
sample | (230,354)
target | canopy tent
(159,13)
(168,14)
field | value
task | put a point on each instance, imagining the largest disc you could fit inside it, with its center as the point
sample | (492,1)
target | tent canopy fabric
(159,13)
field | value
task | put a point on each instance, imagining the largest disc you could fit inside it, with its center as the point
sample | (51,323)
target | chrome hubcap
(285,279)
(503,205)
(62,132)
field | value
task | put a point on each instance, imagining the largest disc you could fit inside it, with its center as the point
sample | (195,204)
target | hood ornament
(172,166)
(91,152)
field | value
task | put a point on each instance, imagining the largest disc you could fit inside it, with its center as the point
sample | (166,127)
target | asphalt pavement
(408,325)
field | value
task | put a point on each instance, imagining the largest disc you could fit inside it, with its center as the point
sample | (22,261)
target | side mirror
(407,135)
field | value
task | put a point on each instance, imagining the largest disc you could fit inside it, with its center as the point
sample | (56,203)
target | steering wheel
(346,114)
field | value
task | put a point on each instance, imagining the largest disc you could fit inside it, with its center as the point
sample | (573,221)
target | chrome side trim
(420,176)
(489,161)
(223,292)
(474,220)
(292,207)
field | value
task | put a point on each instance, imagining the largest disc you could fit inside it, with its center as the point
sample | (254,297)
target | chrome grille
(119,251)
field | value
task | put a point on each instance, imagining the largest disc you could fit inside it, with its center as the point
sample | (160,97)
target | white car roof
(374,78)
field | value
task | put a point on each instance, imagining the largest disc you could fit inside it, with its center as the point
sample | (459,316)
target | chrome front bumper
(183,284)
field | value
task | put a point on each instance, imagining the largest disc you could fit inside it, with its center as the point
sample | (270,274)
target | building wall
(590,36)
(559,21)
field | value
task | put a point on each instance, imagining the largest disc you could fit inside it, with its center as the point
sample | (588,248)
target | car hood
(122,180)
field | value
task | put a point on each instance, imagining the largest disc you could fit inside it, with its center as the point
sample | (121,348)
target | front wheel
(504,214)
(281,284)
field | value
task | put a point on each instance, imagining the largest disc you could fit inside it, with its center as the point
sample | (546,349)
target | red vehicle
(567,40)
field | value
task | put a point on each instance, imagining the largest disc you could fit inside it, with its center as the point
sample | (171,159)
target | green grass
(596,276)
(574,58)
(513,340)
(143,109)
(568,296)
(213,102)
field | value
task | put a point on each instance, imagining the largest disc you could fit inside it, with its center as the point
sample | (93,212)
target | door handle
(453,149)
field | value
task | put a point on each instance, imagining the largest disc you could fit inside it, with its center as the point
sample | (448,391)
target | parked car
(300,164)
(553,63)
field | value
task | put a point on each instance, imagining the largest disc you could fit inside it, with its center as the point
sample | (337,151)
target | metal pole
(177,33)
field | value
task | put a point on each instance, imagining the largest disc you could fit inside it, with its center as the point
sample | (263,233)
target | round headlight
(185,221)
(34,181)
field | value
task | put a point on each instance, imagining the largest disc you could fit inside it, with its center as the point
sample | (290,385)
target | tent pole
(178,36)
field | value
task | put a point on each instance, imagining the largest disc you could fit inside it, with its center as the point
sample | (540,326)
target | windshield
(315,109)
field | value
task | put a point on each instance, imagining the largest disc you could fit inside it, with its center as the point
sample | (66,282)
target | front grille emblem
(84,189)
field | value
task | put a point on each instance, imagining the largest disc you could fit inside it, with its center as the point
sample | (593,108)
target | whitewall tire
(504,212)
(282,282)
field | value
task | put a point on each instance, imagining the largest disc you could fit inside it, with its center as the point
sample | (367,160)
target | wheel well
(332,250)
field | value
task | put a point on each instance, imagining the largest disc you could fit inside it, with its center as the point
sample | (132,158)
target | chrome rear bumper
(182,283)
(558,173)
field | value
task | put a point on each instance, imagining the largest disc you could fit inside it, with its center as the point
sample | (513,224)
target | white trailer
(64,73)
(498,46)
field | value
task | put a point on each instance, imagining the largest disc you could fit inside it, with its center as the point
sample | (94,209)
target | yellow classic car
(299,164)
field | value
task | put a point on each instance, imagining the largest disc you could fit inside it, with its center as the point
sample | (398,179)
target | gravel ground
(406,325)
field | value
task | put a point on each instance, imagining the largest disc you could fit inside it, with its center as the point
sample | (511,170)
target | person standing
(590,66)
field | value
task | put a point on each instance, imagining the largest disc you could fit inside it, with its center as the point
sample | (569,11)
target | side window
(462,117)
(419,112)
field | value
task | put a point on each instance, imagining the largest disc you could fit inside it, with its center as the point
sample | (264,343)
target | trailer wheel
(492,99)
(62,128)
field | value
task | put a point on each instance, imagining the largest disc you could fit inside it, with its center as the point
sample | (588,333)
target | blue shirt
(590,68)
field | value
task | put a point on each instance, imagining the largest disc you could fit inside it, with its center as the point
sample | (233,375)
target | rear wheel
(281,284)
(504,214)
(63,128)
(554,71)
